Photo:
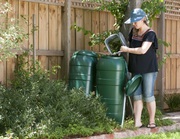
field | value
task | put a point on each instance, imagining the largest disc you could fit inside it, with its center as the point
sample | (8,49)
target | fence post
(160,79)
(67,36)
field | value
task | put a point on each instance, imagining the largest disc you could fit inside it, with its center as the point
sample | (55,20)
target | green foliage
(117,9)
(11,33)
(153,8)
(173,101)
(129,123)
(158,118)
(36,106)
(98,38)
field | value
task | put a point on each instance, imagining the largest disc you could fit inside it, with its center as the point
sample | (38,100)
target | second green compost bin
(83,70)
(110,81)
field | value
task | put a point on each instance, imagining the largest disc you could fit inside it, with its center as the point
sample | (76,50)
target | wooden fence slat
(73,32)
(87,26)
(178,52)
(79,34)
(168,73)
(168,34)
(43,26)
(52,27)
(178,73)
(23,11)
(52,11)
(3,18)
(33,10)
(33,29)
(59,39)
(103,27)
(3,72)
(59,28)
(10,70)
(155,25)
(95,27)
(173,74)
(10,64)
(173,37)
(43,33)
(178,37)
(3,63)
(167,50)
(53,37)
(173,50)
(111,21)
(14,4)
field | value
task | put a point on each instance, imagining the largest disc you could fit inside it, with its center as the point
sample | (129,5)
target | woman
(142,60)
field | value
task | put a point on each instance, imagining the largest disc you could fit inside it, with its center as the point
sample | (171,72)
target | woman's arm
(139,50)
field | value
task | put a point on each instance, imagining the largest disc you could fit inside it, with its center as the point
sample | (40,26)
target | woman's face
(138,24)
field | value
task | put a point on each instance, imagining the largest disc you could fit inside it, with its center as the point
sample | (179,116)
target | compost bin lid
(86,52)
(133,84)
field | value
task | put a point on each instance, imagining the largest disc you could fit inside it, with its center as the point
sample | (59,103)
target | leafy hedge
(36,106)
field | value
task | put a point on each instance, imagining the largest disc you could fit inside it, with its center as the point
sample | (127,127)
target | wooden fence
(47,15)
(49,41)
(172,35)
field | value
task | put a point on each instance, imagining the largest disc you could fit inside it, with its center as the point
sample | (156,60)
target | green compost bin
(110,82)
(82,71)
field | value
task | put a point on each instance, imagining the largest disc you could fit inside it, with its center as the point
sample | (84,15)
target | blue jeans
(146,89)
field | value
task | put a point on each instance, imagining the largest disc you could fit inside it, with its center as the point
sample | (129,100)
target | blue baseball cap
(136,15)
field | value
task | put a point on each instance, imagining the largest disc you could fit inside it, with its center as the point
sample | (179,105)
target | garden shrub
(37,106)
(12,34)
(173,101)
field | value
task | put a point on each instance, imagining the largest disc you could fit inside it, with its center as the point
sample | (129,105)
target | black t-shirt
(143,63)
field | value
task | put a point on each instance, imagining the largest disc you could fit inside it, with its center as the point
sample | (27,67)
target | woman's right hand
(124,48)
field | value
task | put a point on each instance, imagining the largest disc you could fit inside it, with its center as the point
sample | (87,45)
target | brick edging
(133,133)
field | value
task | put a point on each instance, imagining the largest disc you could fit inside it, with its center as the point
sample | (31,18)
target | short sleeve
(150,36)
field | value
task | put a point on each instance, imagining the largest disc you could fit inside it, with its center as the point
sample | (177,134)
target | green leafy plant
(98,39)
(11,33)
(160,121)
(35,106)
(173,101)
(158,118)
(117,9)
(153,8)
(164,44)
